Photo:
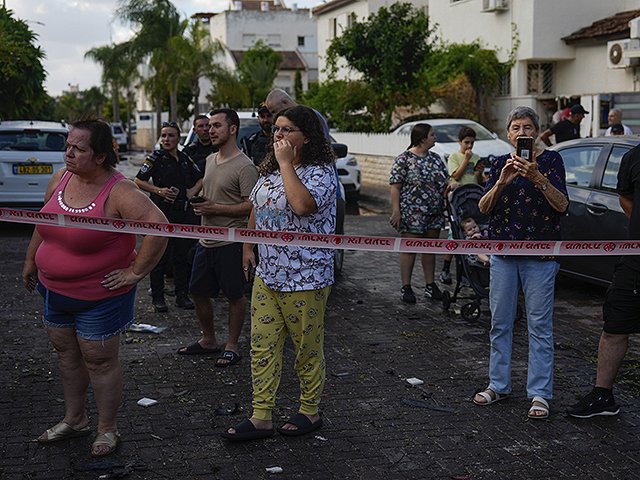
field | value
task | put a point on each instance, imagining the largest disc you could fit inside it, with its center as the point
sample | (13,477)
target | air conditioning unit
(622,53)
(494,5)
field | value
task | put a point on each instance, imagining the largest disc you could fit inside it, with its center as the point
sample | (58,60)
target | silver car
(30,152)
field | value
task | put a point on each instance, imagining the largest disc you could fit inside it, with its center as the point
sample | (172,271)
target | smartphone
(196,200)
(524,148)
(175,190)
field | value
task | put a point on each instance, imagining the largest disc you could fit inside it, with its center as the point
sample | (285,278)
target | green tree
(387,50)
(22,75)
(156,21)
(228,91)
(108,57)
(196,55)
(297,84)
(258,69)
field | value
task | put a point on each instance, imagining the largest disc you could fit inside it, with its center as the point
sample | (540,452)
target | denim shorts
(93,320)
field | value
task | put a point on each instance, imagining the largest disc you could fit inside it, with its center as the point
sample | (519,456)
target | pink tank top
(72,261)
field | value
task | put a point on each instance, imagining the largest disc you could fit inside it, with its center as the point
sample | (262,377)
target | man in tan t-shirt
(229,178)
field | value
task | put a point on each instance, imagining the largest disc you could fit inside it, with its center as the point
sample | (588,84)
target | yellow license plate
(32,169)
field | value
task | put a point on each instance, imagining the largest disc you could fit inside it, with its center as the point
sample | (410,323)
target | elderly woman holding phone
(525,196)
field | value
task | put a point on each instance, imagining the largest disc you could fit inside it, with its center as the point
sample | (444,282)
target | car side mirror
(340,149)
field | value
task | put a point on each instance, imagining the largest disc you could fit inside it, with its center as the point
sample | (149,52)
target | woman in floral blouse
(418,182)
(296,192)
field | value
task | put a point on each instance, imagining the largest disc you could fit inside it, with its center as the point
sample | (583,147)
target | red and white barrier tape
(353,242)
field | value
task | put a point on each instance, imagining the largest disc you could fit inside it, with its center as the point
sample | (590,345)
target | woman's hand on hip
(121,278)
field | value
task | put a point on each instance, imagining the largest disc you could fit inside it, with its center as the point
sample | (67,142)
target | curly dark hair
(101,140)
(317,151)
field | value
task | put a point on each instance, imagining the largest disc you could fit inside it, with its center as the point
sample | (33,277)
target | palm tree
(157,22)
(196,54)
(107,56)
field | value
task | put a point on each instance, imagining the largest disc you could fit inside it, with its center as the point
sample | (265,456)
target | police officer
(202,147)
(176,178)
(255,145)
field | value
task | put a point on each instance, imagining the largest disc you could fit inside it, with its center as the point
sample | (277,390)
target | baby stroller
(463,203)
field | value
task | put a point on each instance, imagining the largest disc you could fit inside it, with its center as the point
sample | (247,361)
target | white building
(290,31)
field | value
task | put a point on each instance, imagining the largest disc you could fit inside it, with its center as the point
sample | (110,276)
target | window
(333,27)
(540,78)
(610,178)
(504,84)
(248,39)
(273,40)
(301,41)
(579,163)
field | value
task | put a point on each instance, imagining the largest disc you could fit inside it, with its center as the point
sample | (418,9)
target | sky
(67,29)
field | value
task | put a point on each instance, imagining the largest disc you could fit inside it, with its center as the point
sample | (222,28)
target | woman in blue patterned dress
(418,181)
(296,192)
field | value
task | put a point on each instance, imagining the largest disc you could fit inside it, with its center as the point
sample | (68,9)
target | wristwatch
(544,187)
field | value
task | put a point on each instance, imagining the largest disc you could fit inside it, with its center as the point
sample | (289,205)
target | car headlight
(352,162)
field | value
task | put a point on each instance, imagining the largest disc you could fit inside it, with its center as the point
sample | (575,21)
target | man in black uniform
(567,129)
(176,178)
(621,309)
(202,147)
(255,146)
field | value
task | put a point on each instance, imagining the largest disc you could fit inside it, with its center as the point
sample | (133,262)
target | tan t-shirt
(227,183)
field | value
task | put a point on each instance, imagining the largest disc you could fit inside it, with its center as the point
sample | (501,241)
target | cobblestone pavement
(374,343)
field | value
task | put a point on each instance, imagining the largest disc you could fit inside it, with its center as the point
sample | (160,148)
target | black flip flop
(304,425)
(233,358)
(246,430)
(197,349)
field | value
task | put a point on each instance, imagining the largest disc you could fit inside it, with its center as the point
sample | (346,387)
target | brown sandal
(62,431)
(109,440)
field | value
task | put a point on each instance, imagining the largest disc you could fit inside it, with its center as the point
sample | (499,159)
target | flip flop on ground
(197,349)
(246,430)
(537,408)
(109,440)
(303,423)
(232,358)
(490,396)
(62,431)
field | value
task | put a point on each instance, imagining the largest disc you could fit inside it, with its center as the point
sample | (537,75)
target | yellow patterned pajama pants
(273,314)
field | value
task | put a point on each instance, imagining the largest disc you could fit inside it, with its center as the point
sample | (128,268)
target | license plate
(42,168)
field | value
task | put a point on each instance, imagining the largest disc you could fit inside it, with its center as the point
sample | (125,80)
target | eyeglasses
(285,130)
(169,124)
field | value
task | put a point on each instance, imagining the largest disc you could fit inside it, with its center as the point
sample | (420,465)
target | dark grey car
(594,211)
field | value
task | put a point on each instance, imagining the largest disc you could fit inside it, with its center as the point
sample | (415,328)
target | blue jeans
(537,279)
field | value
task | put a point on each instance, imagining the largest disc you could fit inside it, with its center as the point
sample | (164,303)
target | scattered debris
(145,327)
(414,381)
(147,402)
(274,470)
(431,406)
(342,374)
(226,409)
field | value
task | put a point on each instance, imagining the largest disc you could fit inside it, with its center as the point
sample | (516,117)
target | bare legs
(611,352)
(204,310)
(428,260)
(83,362)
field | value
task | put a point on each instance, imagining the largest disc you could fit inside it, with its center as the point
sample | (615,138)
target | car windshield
(33,140)
(248,126)
(449,132)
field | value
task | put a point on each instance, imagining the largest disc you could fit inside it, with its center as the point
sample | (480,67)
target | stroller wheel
(471,311)
(519,313)
(446,300)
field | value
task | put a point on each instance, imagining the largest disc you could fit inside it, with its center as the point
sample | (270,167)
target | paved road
(374,343)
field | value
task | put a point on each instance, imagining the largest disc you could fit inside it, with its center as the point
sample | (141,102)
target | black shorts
(218,268)
(621,309)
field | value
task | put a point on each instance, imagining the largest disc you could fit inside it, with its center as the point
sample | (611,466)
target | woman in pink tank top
(87,278)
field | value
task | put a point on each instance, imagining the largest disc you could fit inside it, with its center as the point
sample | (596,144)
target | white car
(30,153)
(119,135)
(487,144)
